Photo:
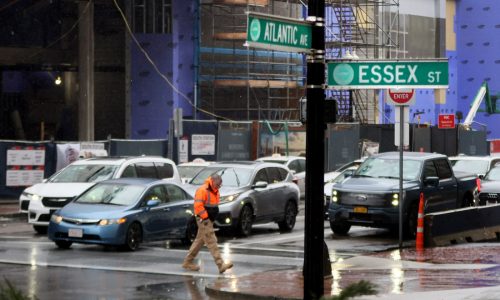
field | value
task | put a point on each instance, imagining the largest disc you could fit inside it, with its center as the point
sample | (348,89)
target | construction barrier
(465,225)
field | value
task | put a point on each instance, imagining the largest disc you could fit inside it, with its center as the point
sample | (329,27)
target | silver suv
(252,192)
(42,199)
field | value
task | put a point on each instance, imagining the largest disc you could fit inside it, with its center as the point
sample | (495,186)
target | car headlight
(229,198)
(32,197)
(105,222)
(56,218)
(335,196)
(395,199)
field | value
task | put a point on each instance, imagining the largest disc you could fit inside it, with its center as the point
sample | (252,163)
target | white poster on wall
(183,150)
(203,144)
(25,157)
(25,165)
(24,177)
(66,154)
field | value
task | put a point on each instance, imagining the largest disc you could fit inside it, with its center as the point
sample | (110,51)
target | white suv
(42,199)
(296,164)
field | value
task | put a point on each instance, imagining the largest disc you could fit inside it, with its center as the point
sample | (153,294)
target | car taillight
(295,180)
(478,183)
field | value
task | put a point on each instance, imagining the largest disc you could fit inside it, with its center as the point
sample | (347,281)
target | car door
(276,193)
(156,222)
(262,196)
(299,168)
(433,197)
(447,184)
(180,210)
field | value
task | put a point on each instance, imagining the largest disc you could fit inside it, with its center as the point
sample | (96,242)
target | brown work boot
(190,266)
(225,267)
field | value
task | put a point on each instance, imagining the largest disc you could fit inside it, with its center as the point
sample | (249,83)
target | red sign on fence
(446,121)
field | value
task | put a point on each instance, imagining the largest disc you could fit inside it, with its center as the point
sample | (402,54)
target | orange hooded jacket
(206,197)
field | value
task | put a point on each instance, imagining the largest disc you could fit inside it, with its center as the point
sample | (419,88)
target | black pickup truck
(370,197)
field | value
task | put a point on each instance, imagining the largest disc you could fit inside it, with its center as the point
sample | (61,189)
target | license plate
(360,209)
(77,233)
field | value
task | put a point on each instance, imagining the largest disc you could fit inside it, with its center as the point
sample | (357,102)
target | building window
(152,16)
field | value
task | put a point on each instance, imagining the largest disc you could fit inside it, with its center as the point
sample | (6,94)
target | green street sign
(278,33)
(387,74)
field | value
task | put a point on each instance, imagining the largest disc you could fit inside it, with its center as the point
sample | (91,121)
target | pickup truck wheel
(411,223)
(340,228)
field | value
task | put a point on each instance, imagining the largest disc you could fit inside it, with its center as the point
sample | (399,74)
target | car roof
(409,155)
(134,181)
(118,160)
(466,157)
(281,158)
(243,164)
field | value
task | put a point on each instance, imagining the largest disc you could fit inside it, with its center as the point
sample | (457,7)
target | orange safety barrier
(419,243)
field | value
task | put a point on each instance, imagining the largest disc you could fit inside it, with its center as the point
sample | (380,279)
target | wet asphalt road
(36,267)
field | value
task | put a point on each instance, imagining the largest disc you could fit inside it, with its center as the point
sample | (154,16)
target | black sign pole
(315,134)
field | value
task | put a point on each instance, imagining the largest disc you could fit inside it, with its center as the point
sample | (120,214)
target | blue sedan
(125,212)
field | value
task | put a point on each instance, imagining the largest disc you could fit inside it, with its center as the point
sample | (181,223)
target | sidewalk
(9,208)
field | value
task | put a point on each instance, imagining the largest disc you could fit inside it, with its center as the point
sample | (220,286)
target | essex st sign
(387,74)
(278,33)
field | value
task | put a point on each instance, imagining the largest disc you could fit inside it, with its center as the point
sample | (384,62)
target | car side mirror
(348,174)
(152,203)
(293,172)
(481,176)
(431,180)
(260,185)
(45,180)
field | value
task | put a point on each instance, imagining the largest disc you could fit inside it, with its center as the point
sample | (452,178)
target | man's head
(216,180)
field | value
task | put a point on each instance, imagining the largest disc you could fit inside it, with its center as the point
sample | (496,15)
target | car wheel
(134,237)
(411,223)
(289,219)
(468,201)
(40,229)
(191,232)
(340,228)
(63,244)
(245,221)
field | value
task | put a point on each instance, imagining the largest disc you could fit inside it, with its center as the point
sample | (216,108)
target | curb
(227,295)
(13,216)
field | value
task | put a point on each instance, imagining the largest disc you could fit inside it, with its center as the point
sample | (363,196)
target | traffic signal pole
(315,134)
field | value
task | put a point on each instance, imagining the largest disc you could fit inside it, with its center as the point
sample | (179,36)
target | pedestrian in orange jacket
(206,208)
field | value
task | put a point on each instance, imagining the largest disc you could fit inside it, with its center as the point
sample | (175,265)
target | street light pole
(314,250)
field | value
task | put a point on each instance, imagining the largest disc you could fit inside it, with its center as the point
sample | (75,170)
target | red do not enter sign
(401,96)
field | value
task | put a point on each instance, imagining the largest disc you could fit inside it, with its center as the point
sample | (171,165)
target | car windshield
(471,166)
(189,171)
(111,193)
(231,177)
(493,174)
(389,168)
(84,173)
(342,175)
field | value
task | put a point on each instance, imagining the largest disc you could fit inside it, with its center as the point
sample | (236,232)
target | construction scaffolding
(360,29)
(243,83)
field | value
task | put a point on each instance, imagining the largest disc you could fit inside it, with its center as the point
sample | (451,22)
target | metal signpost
(278,33)
(403,99)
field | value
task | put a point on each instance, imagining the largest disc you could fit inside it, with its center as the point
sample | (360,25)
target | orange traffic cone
(419,243)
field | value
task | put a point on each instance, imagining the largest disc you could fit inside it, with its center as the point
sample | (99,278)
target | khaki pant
(205,236)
